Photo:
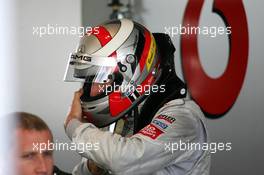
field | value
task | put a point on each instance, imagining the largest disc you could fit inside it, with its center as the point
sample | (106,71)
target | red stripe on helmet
(145,52)
(118,104)
(103,35)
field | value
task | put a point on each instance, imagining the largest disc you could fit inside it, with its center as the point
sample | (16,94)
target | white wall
(42,62)
(8,83)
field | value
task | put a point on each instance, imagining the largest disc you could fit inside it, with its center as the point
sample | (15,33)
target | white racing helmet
(121,57)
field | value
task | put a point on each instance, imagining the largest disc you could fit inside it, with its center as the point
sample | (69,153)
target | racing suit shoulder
(173,120)
(180,122)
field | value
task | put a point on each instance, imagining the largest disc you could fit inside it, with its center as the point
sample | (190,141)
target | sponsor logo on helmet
(75,57)
(166,118)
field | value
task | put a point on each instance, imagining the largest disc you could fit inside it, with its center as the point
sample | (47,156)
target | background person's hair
(29,121)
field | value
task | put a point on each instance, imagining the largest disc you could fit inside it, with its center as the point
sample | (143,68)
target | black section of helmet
(172,82)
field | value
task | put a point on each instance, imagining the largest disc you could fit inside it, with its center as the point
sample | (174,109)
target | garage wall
(42,60)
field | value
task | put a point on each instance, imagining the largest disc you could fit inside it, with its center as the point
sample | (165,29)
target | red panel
(118,104)
(143,58)
(216,96)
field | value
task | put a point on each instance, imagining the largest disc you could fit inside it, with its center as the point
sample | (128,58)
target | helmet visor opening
(84,68)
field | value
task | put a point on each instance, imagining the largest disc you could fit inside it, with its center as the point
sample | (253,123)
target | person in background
(30,131)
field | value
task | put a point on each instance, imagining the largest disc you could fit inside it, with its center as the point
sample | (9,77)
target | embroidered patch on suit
(151,131)
(166,118)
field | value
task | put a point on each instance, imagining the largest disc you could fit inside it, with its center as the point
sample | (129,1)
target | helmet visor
(87,69)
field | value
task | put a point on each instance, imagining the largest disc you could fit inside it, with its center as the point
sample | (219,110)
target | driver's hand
(75,109)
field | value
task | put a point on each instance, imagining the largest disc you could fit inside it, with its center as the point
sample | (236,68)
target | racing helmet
(118,63)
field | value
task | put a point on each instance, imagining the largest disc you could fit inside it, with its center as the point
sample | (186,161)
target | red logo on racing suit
(151,131)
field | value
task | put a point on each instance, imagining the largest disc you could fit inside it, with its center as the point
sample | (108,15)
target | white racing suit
(160,148)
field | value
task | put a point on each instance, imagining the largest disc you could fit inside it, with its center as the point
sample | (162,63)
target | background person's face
(29,160)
